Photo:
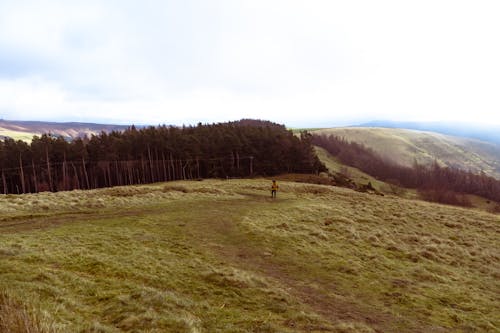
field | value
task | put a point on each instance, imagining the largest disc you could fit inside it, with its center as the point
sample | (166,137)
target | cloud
(295,62)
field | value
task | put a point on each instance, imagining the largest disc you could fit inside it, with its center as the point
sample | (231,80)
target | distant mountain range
(25,130)
(483,133)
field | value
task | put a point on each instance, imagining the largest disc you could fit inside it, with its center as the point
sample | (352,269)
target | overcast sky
(301,63)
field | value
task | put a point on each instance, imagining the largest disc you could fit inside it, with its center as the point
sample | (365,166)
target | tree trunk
(233,161)
(151,169)
(143,170)
(34,176)
(23,185)
(173,166)
(130,174)
(165,177)
(65,176)
(85,174)
(5,191)
(76,175)
(49,172)
(117,175)
(184,171)
(157,166)
(198,168)
(108,168)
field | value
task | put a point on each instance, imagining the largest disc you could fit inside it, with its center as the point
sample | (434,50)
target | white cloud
(295,62)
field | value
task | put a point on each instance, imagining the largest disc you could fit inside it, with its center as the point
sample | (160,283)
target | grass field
(221,256)
(407,146)
(17,135)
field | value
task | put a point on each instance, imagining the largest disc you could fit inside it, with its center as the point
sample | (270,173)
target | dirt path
(323,297)
(215,228)
(30,222)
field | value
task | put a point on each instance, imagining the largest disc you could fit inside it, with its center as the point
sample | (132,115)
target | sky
(309,63)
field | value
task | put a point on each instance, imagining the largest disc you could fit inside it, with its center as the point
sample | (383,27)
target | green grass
(17,135)
(221,256)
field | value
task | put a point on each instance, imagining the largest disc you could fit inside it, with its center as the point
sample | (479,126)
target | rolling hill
(25,130)
(221,256)
(361,178)
(407,146)
(488,133)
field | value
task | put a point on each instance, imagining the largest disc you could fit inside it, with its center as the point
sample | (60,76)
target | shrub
(496,209)
(175,188)
(445,197)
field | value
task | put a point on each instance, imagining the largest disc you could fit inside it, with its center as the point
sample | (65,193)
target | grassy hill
(361,178)
(221,256)
(406,146)
(25,130)
(358,176)
(26,135)
(489,133)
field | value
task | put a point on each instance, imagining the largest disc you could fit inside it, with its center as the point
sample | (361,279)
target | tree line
(154,154)
(434,182)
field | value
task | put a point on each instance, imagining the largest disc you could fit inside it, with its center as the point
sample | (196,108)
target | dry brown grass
(17,318)
(222,256)
(309,179)
(175,188)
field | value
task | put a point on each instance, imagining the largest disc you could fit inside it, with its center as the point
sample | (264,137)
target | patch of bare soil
(35,221)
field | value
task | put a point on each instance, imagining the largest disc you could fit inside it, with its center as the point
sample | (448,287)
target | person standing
(274,189)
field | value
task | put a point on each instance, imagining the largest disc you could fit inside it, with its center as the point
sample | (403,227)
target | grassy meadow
(17,135)
(222,256)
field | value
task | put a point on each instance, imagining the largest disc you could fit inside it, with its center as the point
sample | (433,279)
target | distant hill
(483,133)
(25,130)
(407,146)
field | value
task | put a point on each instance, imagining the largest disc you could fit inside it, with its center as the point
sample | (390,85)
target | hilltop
(406,147)
(488,133)
(25,130)
(221,256)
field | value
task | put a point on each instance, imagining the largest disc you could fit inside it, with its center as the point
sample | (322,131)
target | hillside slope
(221,256)
(407,146)
(488,133)
(25,130)
(358,176)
